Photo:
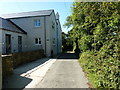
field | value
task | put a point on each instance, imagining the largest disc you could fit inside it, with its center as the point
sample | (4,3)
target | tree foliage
(67,44)
(96,25)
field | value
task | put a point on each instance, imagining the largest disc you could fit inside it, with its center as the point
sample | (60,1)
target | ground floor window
(53,40)
(37,41)
(8,43)
(19,43)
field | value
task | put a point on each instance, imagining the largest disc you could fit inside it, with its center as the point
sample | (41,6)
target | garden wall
(12,61)
(7,66)
(25,57)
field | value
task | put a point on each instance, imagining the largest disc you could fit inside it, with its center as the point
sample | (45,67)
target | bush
(102,69)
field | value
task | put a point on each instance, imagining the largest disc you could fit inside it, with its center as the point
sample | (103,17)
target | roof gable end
(6,24)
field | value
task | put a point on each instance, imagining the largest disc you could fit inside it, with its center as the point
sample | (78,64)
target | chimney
(57,15)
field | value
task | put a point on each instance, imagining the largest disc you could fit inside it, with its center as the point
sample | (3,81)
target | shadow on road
(68,56)
(15,82)
(18,81)
(29,66)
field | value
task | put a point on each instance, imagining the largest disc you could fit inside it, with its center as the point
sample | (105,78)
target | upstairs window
(37,23)
(53,25)
(53,40)
(37,41)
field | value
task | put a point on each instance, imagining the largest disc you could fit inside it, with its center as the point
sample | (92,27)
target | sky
(63,8)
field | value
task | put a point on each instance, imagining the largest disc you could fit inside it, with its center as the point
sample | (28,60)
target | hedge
(102,71)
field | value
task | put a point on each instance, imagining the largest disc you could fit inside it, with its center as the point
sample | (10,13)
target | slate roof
(8,25)
(28,14)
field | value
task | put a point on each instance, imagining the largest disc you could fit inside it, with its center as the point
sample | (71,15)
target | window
(53,40)
(37,23)
(53,25)
(37,41)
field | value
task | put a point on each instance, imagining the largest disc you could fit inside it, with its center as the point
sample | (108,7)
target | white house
(29,31)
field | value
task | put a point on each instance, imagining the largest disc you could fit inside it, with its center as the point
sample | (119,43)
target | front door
(19,43)
(8,43)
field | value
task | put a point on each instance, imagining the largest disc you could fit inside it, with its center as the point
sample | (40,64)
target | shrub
(102,69)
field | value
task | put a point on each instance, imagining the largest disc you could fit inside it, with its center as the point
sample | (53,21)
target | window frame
(53,41)
(53,25)
(37,23)
(38,41)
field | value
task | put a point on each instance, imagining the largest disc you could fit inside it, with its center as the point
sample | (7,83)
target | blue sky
(63,8)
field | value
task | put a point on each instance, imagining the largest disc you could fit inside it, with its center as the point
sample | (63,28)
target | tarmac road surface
(64,73)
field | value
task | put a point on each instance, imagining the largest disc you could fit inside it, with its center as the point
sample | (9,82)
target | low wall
(16,59)
(25,57)
(7,66)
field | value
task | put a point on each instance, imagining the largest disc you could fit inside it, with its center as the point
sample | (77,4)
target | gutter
(12,31)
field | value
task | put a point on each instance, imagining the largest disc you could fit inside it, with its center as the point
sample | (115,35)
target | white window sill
(38,44)
(36,26)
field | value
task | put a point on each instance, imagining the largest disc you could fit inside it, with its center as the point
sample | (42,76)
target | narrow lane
(64,73)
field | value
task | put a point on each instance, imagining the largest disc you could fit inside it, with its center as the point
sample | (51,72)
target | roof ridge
(28,12)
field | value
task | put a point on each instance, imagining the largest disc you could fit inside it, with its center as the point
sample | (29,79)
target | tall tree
(96,25)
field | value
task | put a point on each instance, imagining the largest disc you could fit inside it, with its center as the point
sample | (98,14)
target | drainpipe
(0,72)
(1,51)
(45,32)
(57,36)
